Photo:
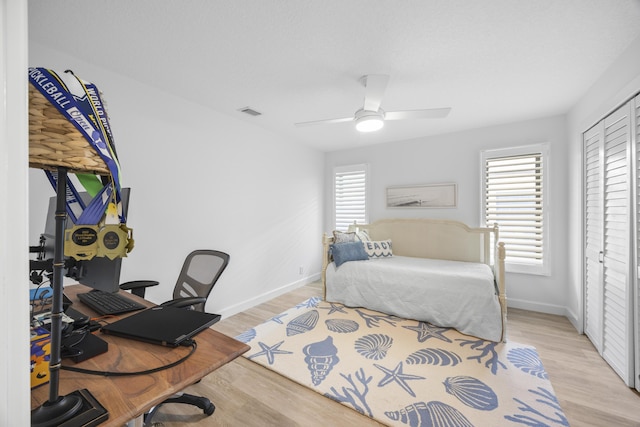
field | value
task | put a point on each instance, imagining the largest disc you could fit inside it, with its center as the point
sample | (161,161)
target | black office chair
(200,272)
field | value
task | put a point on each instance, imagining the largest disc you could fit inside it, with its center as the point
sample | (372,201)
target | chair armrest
(137,287)
(186,302)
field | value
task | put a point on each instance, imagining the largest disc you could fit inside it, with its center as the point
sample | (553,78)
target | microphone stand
(80,406)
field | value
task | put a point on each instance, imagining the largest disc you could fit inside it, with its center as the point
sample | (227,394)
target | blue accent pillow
(349,251)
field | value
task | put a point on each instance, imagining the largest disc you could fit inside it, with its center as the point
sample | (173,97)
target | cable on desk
(43,299)
(68,349)
(192,344)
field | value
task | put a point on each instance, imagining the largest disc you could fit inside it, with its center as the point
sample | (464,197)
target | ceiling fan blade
(375,85)
(323,122)
(432,113)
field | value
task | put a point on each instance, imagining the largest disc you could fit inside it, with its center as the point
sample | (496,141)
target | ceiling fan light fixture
(369,121)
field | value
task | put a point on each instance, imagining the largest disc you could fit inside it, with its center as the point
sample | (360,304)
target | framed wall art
(423,196)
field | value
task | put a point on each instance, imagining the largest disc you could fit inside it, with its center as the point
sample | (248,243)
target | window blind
(350,187)
(514,200)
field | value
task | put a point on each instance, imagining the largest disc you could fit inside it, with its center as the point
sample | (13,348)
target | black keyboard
(109,303)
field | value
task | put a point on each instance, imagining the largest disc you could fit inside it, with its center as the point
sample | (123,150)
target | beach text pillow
(378,249)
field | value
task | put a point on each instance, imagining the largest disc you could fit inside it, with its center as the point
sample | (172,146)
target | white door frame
(15,402)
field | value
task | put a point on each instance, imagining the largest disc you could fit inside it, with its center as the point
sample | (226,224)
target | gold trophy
(114,241)
(81,242)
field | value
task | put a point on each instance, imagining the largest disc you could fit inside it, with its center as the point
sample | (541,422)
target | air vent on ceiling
(250,111)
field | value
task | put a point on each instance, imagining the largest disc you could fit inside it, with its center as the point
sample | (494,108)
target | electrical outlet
(301,270)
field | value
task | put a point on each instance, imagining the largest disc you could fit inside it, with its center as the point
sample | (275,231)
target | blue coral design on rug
(403,372)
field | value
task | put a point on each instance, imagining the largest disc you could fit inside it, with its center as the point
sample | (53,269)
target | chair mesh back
(200,271)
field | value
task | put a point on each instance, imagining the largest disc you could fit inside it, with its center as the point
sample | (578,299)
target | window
(350,195)
(514,188)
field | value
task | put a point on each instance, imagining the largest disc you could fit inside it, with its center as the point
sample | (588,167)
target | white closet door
(635,125)
(617,343)
(593,220)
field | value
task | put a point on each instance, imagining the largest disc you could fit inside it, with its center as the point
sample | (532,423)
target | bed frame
(437,239)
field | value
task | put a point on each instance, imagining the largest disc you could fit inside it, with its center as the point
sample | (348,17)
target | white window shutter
(514,198)
(350,196)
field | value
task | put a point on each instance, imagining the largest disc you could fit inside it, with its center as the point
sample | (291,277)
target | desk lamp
(79,407)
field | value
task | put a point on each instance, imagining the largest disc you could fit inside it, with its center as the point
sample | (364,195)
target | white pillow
(363,235)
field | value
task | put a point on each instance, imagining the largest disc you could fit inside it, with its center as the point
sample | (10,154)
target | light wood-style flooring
(247,394)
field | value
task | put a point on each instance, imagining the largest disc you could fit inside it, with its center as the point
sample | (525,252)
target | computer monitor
(99,272)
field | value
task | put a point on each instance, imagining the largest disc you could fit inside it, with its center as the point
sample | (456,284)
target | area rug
(404,372)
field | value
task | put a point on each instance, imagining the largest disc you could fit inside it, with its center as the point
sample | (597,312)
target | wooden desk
(127,398)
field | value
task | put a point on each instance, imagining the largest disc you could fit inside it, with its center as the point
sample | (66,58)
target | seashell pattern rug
(404,372)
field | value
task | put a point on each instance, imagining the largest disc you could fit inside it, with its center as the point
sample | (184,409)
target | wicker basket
(54,141)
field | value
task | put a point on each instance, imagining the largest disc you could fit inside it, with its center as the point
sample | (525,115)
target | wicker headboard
(433,238)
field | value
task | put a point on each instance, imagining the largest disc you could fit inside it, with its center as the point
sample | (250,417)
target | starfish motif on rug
(398,376)
(426,331)
(270,351)
(333,308)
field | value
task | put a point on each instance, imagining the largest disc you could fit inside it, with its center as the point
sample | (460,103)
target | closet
(611,153)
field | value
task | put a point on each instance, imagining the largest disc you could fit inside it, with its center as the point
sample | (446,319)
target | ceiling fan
(371,117)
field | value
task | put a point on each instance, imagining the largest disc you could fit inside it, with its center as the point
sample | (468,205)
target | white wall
(201,179)
(613,88)
(456,158)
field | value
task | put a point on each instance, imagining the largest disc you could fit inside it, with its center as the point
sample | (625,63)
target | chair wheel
(209,409)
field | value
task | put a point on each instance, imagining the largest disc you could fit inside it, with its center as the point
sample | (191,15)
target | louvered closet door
(635,125)
(594,164)
(617,342)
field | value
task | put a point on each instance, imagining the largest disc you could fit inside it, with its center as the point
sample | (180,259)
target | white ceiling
(492,61)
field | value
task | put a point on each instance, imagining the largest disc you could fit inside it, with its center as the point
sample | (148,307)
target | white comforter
(454,294)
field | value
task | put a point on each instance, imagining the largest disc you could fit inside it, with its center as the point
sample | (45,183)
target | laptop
(167,326)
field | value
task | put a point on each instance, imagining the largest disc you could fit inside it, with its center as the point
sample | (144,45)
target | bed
(435,271)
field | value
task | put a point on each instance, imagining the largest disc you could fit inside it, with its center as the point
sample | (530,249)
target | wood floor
(247,395)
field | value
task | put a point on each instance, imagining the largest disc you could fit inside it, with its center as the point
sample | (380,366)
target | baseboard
(536,306)
(259,299)
(573,318)
(548,309)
